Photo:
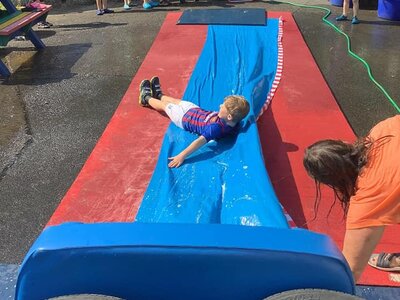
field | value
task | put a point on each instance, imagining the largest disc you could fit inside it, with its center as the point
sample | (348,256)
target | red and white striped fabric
(279,68)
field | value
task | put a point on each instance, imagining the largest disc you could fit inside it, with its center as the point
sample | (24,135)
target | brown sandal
(382,261)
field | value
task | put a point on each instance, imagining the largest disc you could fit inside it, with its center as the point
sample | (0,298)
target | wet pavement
(58,101)
(68,92)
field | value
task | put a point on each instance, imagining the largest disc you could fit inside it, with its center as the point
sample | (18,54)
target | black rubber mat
(232,16)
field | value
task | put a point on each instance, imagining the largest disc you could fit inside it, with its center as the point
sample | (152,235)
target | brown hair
(336,164)
(237,106)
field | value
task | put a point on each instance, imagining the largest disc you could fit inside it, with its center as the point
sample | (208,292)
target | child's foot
(127,7)
(341,18)
(147,5)
(99,12)
(145,93)
(355,20)
(156,88)
(108,11)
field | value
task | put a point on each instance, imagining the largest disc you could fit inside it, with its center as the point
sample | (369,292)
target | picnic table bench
(14,22)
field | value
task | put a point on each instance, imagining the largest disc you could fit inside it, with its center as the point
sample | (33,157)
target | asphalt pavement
(58,101)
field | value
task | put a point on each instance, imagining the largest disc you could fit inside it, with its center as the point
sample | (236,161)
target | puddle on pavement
(12,114)
(13,127)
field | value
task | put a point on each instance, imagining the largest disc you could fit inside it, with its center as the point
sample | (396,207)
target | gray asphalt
(58,101)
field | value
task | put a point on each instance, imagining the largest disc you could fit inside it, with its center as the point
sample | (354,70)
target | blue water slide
(189,241)
(226,181)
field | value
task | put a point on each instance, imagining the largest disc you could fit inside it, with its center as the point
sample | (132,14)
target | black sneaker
(42,25)
(156,88)
(145,93)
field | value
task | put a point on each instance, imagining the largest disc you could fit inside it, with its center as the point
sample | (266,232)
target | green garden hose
(351,53)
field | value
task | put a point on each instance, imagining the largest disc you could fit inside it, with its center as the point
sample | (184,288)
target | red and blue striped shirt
(206,123)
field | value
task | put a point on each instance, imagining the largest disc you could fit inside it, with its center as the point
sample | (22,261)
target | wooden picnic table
(16,22)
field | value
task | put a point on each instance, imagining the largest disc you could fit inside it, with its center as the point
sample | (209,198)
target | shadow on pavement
(52,64)
(84,26)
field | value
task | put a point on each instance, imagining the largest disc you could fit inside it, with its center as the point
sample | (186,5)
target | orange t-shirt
(377,198)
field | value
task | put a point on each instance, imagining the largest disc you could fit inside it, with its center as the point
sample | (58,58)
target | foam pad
(179,261)
(233,16)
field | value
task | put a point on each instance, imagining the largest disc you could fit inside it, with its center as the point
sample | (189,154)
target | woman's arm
(358,246)
(176,161)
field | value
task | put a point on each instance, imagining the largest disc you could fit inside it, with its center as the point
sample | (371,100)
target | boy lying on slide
(209,125)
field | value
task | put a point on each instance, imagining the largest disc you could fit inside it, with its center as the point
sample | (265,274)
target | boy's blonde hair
(237,106)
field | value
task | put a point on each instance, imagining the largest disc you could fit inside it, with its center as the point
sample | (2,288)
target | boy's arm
(176,161)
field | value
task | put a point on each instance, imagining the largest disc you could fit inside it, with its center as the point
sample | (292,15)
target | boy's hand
(176,161)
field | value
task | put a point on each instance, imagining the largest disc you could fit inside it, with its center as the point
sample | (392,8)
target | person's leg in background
(105,8)
(345,13)
(126,5)
(356,6)
(99,4)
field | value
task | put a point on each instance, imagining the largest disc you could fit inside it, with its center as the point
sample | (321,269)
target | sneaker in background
(133,3)
(355,20)
(154,3)
(341,18)
(147,5)
(42,25)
